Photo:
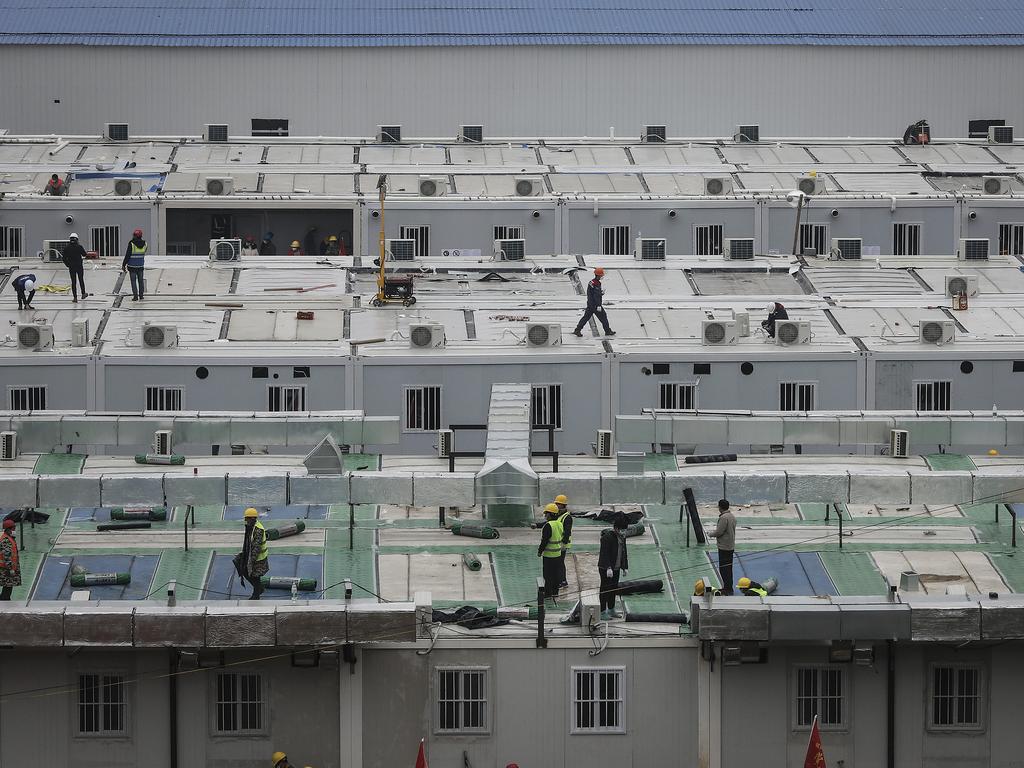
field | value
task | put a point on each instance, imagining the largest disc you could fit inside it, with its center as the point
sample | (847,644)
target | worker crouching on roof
(25,288)
(776,312)
(565,518)
(751,588)
(550,550)
(611,562)
(254,552)
(10,568)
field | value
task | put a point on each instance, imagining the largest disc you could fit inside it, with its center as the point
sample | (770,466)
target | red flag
(815,754)
(421,758)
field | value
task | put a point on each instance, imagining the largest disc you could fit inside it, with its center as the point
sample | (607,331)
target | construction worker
(612,561)
(725,535)
(55,186)
(267,247)
(135,264)
(565,518)
(751,588)
(295,249)
(595,305)
(73,257)
(10,569)
(775,312)
(550,550)
(279,760)
(25,287)
(330,246)
(699,588)
(254,552)
(249,246)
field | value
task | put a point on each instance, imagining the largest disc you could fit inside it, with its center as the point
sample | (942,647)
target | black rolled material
(660,618)
(640,587)
(710,458)
(122,526)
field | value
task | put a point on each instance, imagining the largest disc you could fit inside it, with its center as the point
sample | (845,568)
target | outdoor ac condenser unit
(53,250)
(445,443)
(811,185)
(543,334)
(899,443)
(80,332)
(995,185)
(937,332)
(847,248)
(1000,134)
(432,186)
(649,249)
(471,134)
(738,248)
(716,333)
(509,250)
(35,336)
(162,440)
(604,443)
(389,134)
(973,249)
(159,336)
(226,249)
(957,284)
(8,446)
(789,332)
(220,185)
(115,131)
(127,187)
(400,249)
(717,185)
(426,335)
(215,132)
(742,323)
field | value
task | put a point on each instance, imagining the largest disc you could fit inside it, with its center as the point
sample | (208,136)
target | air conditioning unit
(747,133)
(654,134)
(400,250)
(127,187)
(543,334)
(433,186)
(937,332)
(227,249)
(35,336)
(604,443)
(811,185)
(162,439)
(445,443)
(53,249)
(222,185)
(995,185)
(115,131)
(1000,134)
(426,335)
(973,249)
(957,284)
(510,250)
(215,133)
(649,249)
(529,186)
(738,247)
(472,134)
(80,332)
(389,134)
(715,333)
(790,332)
(159,336)
(717,185)
(899,443)
(742,323)
(847,248)
(8,446)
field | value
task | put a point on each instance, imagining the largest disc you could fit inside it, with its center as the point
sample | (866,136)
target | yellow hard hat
(250,512)
(295,244)
(743,583)
(332,239)
(277,757)
(561,499)
(698,587)
(551,509)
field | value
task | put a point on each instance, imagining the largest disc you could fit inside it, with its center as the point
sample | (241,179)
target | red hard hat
(599,272)
(8,524)
(137,233)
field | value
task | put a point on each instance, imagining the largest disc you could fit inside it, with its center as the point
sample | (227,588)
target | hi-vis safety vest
(554,546)
(264,550)
(137,257)
(756,591)
(561,522)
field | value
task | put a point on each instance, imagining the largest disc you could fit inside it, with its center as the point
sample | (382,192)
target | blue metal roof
(360,23)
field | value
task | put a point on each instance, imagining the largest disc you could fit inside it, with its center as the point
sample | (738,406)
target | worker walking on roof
(751,588)
(135,264)
(10,568)
(775,312)
(725,535)
(550,550)
(565,518)
(73,257)
(296,249)
(25,288)
(595,305)
(612,560)
(255,552)
(267,247)
(55,186)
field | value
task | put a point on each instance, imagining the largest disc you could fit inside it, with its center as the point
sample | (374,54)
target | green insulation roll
(285,582)
(288,529)
(475,531)
(138,513)
(151,458)
(471,561)
(636,529)
(98,579)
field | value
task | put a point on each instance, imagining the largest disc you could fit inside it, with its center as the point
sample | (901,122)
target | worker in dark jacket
(775,312)
(55,186)
(267,247)
(73,256)
(135,264)
(25,287)
(550,550)
(595,305)
(611,562)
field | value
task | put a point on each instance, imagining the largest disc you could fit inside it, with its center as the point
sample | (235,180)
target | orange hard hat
(599,272)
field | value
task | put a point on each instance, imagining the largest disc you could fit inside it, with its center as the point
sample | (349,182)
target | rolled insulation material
(138,513)
(288,529)
(770,585)
(661,618)
(151,458)
(475,531)
(471,561)
(637,529)
(98,579)
(640,587)
(123,526)
(285,582)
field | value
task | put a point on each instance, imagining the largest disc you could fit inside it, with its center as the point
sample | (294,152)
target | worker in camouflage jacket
(10,568)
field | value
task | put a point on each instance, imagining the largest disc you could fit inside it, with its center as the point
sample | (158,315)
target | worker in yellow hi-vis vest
(550,550)
(255,552)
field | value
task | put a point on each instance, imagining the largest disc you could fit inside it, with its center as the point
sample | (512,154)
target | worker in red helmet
(135,264)
(595,305)
(10,569)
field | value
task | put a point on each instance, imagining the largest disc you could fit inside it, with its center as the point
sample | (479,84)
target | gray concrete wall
(991,382)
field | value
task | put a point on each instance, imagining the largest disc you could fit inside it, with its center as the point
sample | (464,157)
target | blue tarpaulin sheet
(222,583)
(54,582)
(798,573)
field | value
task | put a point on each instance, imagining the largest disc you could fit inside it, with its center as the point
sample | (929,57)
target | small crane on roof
(396,287)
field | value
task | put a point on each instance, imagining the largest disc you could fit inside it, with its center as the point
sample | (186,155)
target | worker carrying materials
(565,518)
(612,561)
(10,567)
(550,550)
(135,264)
(73,257)
(775,312)
(254,555)
(595,305)
(25,288)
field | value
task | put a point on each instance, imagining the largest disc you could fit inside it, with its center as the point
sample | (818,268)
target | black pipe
(172,692)
(542,641)
(891,706)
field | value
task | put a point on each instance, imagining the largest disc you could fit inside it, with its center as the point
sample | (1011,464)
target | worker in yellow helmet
(279,760)
(751,588)
(296,249)
(255,560)
(565,518)
(550,550)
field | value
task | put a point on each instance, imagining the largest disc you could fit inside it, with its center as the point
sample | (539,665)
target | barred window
(420,235)
(102,705)
(164,398)
(547,406)
(820,691)
(12,242)
(707,240)
(27,398)
(615,241)
(956,697)
(422,409)
(932,395)
(106,241)
(1011,239)
(814,236)
(462,700)
(675,396)
(508,233)
(797,395)
(286,399)
(906,239)
(597,700)
(241,703)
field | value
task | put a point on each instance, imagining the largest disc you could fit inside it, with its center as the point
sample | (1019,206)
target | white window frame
(461,699)
(181,248)
(934,384)
(981,696)
(262,703)
(283,395)
(809,233)
(798,384)
(619,237)
(105,239)
(574,702)
(679,387)
(509,232)
(5,242)
(906,238)
(27,391)
(708,239)
(820,699)
(406,391)
(1014,234)
(547,389)
(160,392)
(420,235)
(102,706)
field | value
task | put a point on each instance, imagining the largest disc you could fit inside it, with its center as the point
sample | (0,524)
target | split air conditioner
(445,443)
(8,446)
(738,247)
(127,187)
(162,440)
(159,336)
(649,249)
(472,134)
(433,186)
(789,332)
(529,186)
(509,250)
(543,334)
(973,249)
(654,134)
(1000,134)
(747,133)
(115,131)
(717,185)
(226,249)
(811,185)
(53,250)
(604,444)
(426,335)
(400,249)
(389,134)
(80,332)
(899,443)
(719,332)
(957,284)
(847,248)
(937,332)
(742,323)
(995,185)
(222,185)
(215,133)
(35,336)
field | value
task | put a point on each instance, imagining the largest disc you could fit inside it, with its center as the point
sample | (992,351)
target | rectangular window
(820,691)
(814,236)
(462,700)
(102,705)
(932,395)
(164,398)
(27,398)
(796,395)
(181,248)
(422,409)
(420,235)
(286,399)
(956,697)
(546,408)
(106,241)
(707,240)
(615,241)
(241,703)
(1011,239)
(597,700)
(906,239)
(262,126)
(676,396)
(508,233)
(11,242)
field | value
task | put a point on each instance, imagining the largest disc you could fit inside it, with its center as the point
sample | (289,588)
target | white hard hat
(74,235)
(771,306)
(29,285)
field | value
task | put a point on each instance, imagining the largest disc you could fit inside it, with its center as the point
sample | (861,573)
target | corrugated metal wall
(696,91)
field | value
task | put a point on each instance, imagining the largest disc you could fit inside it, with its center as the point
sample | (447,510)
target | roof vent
(957,284)
(389,134)
(1000,134)
(472,134)
(220,186)
(937,332)
(126,187)
(215,133)
(649,249)
(717,185)
(543,334)
(973,249)
(654,134)
(426,336)
(35,336)
(811,185)
(433,186)
(718,332)
(529,186)
(159,336)
(226,249)
(748,133)
(995,185)
(847,248)
(115,131)
(790,332)
(738,248)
